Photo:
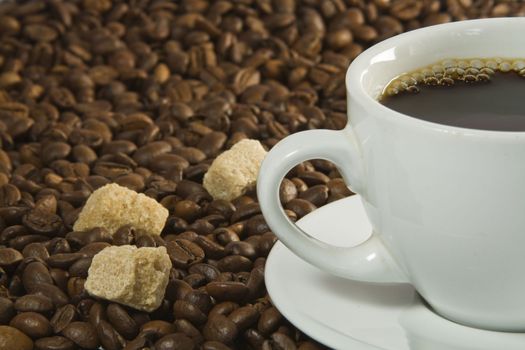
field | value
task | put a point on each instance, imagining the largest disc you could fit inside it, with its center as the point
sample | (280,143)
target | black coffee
(475,94)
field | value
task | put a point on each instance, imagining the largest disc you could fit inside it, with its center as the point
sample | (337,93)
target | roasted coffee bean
(55,150)
(34,303)
(300,185)
(300,206)
(240,248)
(308,345)
(80,239)
(241,277)
(145,241)
(57,246)
(139,343)
(84,307)
(224,308)
(212,250)
(145,154)
(163,312)
(80,267)
(212,143)
(188,235)
(340,38)
(84,154)
(13,214)
(157,328)
(82,334)
(108,336)
(75,288)
(132,181)
(269,320)
(234,263)
(246,211)
(9,195)
(20,242)
(97,313)
(92,249)
(210,272)
(186,327)
(317,195)
(9,257)
(280,341)
(339,188)
(244,317)
(12,338)
(64,260)
(35,250)
(163,163)
(440,18)
(201,227)
(214,220)
(46,201)
(63,317)
(256,225)
(177,288)
(140,318)
(175,341)
(200,299)
(266,243)
(225,277)
(12,232)
(214,345)
(35,274)
(159,241)
(33,324)
(254,338)
(6,161)
(231,291)
(119,146)
(195,280)
(191,154)
(4,278)
(54,343)
(185,309)
(220,328)
(7,310)
(122,321)
(225,235)
(60,277)
(312,178)
(187,210)
(183,252)
(186,188)
(14,288)
(124,236)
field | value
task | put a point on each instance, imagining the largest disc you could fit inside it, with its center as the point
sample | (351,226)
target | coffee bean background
(146,93)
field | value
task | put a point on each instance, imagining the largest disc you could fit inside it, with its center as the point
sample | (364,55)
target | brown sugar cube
(235,171)
(131,276)
(113,206)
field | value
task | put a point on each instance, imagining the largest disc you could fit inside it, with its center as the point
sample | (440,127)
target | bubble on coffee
(477,93)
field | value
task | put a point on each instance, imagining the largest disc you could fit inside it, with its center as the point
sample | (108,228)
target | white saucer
(344,314)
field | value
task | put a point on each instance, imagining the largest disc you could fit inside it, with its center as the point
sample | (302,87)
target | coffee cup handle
(369,261)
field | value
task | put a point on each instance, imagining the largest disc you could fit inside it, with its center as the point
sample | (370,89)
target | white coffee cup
(447,204)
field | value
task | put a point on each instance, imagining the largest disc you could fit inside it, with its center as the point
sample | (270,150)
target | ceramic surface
(445,203)
(345,314)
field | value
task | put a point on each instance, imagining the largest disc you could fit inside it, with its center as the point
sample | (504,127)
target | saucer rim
(323,334)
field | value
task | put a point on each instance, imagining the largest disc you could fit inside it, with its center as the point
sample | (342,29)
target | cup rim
(360,64)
